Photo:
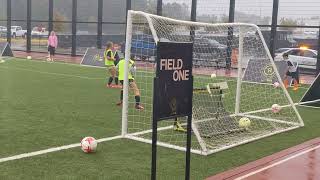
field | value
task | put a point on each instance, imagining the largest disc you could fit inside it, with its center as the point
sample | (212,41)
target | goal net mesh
(234,77)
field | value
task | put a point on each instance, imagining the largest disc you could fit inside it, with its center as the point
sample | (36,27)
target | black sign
(5,49)
(313,94)
(93,57)
(174,81)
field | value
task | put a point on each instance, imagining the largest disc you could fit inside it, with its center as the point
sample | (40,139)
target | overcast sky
(287,8)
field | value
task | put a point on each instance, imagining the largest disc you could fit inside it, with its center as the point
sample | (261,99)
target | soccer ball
(213,75)
(29,57)
(276,84)
(275,108)
(89,144)
(244,122)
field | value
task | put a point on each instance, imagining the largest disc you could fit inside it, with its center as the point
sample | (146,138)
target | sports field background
(45,105)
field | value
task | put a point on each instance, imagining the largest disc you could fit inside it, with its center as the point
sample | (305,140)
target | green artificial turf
(43,105)
(50,104)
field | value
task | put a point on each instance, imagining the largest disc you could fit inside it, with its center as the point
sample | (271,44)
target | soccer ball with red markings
(276,84)
(89,144)
(275,108)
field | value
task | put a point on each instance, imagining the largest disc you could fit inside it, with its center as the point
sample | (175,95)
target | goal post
(238,95)
(222,97)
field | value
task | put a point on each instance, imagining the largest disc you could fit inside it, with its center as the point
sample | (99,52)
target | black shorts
(130,81)
(52,50)
(294,75)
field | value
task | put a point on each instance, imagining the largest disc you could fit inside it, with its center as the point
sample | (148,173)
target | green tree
(176,11)
(149,6)
(58,26)
(210,18)
(289,22)
(265,20)
(224,18)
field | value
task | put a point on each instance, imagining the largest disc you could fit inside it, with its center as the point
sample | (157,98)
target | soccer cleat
(296,85)
(286,83)
(110,86)
(178,127)
(139,107)
(118,86)
(119,103)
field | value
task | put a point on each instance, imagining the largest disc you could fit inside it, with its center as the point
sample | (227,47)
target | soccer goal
(224,92)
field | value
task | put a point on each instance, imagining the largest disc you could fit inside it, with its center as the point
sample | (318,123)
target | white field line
(58,62)
(58,74)
(71,64)
(51,73)
(277,163)
(54,149)
(41,61)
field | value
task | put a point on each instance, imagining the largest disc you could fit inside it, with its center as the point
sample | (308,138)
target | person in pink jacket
(52,45)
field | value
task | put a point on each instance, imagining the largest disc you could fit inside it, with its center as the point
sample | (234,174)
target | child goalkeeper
(292,71)
(132,83)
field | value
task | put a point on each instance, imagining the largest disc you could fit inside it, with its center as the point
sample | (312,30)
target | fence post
(274,24)
(29,10)
(9,21)
(74,28)
(159,7)
(99,28)
(50,25)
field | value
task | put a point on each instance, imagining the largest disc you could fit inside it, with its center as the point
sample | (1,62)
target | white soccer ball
(275,108)
(89,144)
(29,57)
(276,84)
(244,122)
(213,75)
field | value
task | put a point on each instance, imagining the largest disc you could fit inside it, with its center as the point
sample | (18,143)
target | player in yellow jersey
(132,83)
(109,60)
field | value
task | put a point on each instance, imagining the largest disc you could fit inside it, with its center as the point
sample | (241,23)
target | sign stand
(172,96)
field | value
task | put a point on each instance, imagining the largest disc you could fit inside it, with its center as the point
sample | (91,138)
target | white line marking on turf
(36,153)
(50,73)
(277,163)
(54,62)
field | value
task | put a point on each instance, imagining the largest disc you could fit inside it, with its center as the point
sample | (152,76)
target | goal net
(238,93)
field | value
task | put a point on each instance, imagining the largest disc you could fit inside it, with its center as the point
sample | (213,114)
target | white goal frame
(204,151)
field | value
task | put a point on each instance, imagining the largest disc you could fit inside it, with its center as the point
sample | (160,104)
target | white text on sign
(175,65)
